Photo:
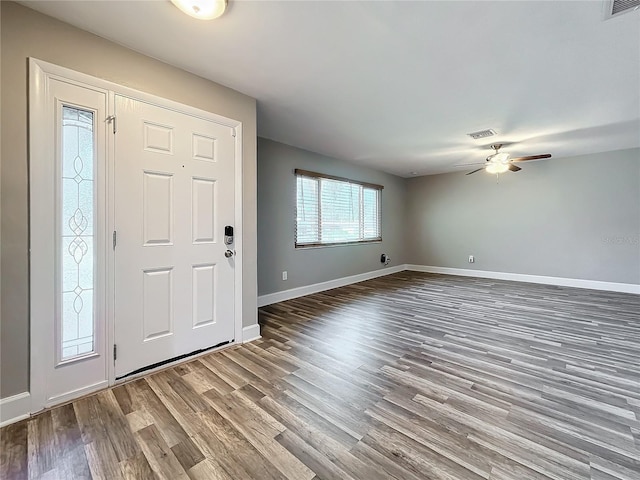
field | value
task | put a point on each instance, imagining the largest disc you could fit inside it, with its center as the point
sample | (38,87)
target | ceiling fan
(500,162)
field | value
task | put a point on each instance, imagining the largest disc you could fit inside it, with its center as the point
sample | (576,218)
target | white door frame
(39,156)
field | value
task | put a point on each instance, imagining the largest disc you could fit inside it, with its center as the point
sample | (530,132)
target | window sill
(336,244)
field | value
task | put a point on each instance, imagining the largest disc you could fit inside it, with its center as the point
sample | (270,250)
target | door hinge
(115,352)
(112,119)
(233,132)
(115,239)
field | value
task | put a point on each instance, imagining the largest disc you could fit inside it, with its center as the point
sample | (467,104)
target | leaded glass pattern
(77,232)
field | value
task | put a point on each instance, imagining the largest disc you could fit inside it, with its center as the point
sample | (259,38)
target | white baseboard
(251,333)
(74,394)
(15,408)
(270,298)
(521,277)
(276,297)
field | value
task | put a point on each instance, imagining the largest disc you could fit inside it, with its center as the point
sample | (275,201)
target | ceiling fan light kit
(496,168)
(500,162)
(498,158)
(202,9)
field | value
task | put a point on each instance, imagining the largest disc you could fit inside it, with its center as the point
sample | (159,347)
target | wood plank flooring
(410,376)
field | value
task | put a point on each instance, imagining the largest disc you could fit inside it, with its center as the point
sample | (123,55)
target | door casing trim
(39,74)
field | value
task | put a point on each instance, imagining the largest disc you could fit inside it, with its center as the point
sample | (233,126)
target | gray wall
(276,214)
(26,33)
(573,217)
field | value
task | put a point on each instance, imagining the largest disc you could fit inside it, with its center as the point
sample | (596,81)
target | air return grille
(617,7)
(482,134)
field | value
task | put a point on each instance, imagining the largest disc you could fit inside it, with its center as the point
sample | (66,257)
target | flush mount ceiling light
(202,9)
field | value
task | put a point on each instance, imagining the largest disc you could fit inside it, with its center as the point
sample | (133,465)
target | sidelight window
(76,227)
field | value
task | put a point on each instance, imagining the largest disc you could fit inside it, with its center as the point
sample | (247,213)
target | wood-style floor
(411,376)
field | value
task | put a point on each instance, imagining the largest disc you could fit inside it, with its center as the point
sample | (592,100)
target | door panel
(157,208)
(157,309)
(174,193)
(203,208)
(204,289)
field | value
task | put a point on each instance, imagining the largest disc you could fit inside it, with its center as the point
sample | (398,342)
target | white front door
(174,195)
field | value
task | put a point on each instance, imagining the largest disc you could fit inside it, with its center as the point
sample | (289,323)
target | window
(332,210)
(76,232)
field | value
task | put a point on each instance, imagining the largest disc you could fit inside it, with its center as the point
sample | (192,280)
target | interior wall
(26,33)
(276,221)
(573,217)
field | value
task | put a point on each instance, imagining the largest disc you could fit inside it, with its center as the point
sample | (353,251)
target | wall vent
(484,133)
(613,8)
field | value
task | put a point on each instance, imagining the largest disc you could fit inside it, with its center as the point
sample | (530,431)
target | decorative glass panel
(77,235)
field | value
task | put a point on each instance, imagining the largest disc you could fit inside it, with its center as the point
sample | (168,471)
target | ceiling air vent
(613,8)
(484,133)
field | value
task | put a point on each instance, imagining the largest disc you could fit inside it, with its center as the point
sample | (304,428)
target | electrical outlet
(284,275)
(472,259)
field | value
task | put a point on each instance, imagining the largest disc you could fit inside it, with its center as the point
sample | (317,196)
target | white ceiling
(396,85)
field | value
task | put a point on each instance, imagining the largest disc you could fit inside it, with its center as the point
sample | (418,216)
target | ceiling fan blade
(531,157)
(470,164)
(477,170)
(514,168)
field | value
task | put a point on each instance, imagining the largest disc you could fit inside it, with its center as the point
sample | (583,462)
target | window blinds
(332,210)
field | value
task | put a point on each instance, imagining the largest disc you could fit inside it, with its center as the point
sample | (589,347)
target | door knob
(229,254)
